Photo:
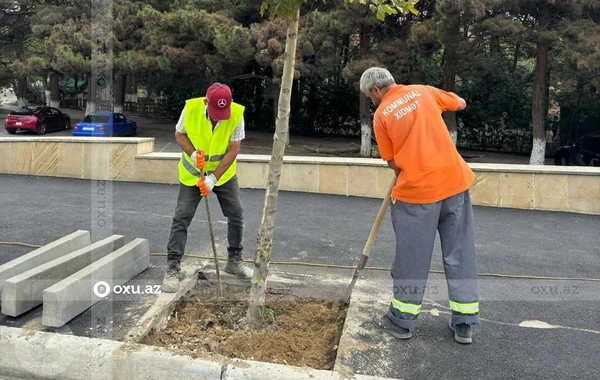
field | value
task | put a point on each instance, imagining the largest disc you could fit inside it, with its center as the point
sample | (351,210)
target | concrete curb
(40,256)
(42,355)
(31,354)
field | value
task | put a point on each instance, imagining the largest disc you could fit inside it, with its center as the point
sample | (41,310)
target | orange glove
(206,184)
(200,160)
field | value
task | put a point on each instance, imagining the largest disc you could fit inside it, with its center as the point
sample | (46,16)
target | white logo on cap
(222,103)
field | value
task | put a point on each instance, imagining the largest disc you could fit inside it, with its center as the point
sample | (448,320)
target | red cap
(218,98)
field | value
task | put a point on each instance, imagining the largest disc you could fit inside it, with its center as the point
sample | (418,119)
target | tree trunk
(22,91)
(451,41)
(120,84)
(265,234)
(131,89)
(515,57)
(495,47)
(365,109)
(538,113)
(448,85)
(92,94)
(54,90)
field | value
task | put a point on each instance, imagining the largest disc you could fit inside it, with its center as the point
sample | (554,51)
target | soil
(301,332)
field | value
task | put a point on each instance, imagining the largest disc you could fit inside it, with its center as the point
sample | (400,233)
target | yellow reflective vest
(214,143)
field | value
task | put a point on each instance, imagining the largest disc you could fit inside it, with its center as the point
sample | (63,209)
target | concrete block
(252,370)
(24,291)
(49,252)
(42,355)
(75,294)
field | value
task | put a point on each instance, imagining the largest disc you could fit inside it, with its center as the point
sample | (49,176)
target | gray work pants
(415,226)
(229,198)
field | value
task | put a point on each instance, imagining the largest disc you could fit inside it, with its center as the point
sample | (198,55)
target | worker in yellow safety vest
(210,132)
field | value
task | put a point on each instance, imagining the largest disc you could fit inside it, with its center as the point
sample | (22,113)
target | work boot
(235,265)
(462,332)
(171,282)
(383,323)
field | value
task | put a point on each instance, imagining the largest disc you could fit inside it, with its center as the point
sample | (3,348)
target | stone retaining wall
(551,188)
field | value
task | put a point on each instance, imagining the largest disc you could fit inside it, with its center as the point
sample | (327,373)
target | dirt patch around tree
(295,331)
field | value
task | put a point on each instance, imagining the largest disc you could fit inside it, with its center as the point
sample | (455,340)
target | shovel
(212,239)
(367,250)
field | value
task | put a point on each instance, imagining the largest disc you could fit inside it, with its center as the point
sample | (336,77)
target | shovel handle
(380,215)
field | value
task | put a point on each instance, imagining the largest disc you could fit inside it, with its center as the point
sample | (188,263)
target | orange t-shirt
(410,130)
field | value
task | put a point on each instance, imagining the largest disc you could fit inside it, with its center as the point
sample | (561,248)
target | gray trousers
(415,226)
(230,200)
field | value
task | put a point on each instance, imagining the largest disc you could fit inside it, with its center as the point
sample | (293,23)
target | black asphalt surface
(333,229)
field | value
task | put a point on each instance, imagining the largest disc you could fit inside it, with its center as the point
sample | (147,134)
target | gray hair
(377,76)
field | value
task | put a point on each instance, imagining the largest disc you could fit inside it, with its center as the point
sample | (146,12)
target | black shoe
(462,332)
(171,281)
(383,323)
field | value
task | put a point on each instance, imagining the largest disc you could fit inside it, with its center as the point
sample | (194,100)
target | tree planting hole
(294,331)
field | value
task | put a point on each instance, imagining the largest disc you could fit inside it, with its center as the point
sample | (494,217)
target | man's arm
(393,166)
(448,101)
(181,137)
(184,142)
(232,151)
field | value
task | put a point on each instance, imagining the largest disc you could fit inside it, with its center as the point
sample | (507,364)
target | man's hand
(198,158)
(206,184)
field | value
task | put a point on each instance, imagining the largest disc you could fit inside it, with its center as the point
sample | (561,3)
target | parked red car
(37,119)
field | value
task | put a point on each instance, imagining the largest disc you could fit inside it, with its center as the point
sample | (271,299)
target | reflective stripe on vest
(192,169)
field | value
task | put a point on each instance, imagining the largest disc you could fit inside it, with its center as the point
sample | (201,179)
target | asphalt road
(333,229)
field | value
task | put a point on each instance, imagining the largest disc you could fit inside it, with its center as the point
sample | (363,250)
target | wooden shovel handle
(380,215)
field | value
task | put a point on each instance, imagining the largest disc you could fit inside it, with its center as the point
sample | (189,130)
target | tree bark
(451,42)
(515,57)
(539,110)
(54,90)
(92,94)
(366,123)
(131,88)
(120,84)
(448,84)
(265,234)
(22,91)
(495,47)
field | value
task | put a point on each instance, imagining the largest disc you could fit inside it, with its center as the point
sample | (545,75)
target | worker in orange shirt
(431,194)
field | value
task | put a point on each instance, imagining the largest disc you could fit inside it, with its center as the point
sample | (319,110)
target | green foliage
(267,314)
(499,104)
(284,8)
(176,48)
(384,8)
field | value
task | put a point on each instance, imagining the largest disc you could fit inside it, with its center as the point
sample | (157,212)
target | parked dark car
(585,152)
(38,119)
(105,124)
